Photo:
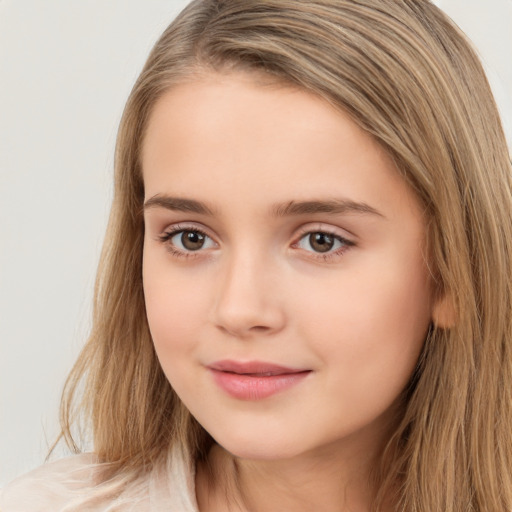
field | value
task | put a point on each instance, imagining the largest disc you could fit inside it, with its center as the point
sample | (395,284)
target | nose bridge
(247,301)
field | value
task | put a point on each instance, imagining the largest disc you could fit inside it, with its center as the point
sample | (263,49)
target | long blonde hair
(407,75)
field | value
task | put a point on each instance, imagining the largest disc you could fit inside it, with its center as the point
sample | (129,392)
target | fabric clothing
(71,484)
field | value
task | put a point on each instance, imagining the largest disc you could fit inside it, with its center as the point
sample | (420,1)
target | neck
(333,479)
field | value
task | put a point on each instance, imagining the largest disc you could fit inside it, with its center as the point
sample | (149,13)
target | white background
(66,68)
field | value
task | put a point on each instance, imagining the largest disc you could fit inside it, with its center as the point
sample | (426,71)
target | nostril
(259,328)
(239,331)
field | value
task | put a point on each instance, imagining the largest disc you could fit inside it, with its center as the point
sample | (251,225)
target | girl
(304,300)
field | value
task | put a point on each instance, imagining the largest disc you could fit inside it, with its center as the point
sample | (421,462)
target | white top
(69,485)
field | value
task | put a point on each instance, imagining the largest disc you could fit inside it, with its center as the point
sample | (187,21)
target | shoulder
(52,486)
(75,484)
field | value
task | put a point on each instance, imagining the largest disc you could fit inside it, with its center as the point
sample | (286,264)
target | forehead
(257,105)
(233,136)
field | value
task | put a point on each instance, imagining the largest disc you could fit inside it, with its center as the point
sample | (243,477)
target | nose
(248,302)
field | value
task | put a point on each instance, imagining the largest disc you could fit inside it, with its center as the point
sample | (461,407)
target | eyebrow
(290,208)
(334,206)
(178,204)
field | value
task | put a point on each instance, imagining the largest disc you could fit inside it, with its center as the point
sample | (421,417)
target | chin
(264,448)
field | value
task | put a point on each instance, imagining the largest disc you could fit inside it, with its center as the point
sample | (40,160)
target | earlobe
(444,313)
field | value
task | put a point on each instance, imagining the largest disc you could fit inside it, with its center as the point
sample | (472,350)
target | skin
(354,316)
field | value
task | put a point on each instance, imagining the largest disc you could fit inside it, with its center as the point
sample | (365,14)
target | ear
(444,314)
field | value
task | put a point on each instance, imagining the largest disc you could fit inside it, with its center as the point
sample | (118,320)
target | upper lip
(253,368)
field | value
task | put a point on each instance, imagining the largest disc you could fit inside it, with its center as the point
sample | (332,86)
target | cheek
(372,328)
(368,309)
(174,308)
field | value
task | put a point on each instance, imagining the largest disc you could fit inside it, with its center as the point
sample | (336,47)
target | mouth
(255,380)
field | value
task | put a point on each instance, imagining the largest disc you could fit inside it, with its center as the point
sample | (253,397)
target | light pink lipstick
(254,380)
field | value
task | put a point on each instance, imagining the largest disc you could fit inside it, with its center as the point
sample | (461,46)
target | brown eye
(192,240)
(188,240)
(321,242)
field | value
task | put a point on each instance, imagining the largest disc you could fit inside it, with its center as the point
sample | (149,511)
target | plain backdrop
(66,68)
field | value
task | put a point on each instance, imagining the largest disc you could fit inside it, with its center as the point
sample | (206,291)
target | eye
(189,240)
(182,241)
(321,242)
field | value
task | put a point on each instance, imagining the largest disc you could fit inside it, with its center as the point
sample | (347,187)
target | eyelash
(327,256)
(166,237)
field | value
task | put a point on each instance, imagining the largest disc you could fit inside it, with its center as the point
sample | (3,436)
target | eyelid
(172,230)
(186,226)
(328,256)
(318,227)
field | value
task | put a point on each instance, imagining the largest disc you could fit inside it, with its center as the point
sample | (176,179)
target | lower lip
(256,387)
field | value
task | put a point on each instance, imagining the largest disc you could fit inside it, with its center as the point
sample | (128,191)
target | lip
(255,380)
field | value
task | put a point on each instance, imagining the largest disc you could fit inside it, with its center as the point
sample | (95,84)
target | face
(285,283)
